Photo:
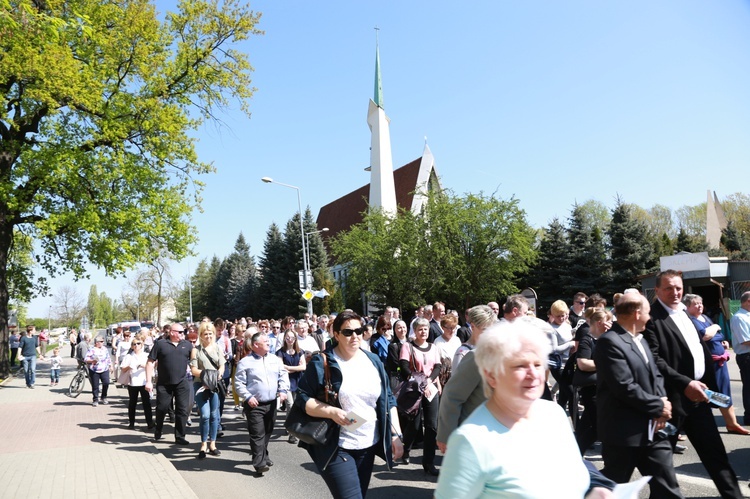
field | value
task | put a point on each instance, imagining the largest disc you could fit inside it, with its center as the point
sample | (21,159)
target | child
(54,372)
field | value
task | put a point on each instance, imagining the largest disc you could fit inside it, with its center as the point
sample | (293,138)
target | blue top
(714,344)
(291,360)
(487,460)
(27,346)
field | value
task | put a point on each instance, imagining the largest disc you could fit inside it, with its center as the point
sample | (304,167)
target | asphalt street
(293,474)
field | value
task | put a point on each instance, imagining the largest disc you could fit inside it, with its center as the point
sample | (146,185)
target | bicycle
(78,381)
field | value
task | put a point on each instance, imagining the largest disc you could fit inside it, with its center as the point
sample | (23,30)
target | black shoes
(214,452)
(269,462)
(262,469)
(430,469)
(403,460)
(157,436)
(202,454)
(181,441)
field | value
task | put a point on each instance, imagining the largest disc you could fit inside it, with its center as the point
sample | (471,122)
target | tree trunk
(6,239)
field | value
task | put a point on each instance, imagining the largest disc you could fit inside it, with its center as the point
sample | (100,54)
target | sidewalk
(56,446)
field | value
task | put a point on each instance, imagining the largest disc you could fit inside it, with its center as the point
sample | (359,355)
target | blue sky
(551,102)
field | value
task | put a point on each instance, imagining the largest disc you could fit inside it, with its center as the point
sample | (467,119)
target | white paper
(355,421)
(433,392)
(630,490)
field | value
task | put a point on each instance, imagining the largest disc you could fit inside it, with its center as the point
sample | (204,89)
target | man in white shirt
(305,340)
(741,344)
(687,366)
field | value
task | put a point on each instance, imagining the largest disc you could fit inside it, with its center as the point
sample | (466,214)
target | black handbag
(409,393)
(308,429)
(210,379)
(583,379)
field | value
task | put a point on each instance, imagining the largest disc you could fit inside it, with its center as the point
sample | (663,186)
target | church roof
(341,214)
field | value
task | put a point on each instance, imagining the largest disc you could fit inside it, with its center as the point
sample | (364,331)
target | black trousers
(430,412)
(700,427)
(586,433)
(260,422)
(133,392)
(181,394)
(743,362)
(654,460)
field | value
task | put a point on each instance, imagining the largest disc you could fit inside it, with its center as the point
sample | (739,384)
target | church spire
(378,98)
(382,186)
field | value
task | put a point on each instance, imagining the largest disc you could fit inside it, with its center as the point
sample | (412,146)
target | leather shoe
(219,434)
(181,441)
(214,452)
(157,436)
(262,469)
(403,460)
(430,469)
(202,454)
(269,462)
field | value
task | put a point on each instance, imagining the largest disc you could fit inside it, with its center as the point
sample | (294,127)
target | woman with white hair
(502,449)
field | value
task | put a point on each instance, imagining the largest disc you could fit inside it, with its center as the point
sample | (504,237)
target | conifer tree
(631,251)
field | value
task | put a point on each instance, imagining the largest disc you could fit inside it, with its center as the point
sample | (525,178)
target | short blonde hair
(558,307)
(502,342)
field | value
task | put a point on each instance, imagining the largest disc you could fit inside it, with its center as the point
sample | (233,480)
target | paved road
(75,443)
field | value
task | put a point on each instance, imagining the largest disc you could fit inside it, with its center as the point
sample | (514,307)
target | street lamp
(307,238)
(305,267)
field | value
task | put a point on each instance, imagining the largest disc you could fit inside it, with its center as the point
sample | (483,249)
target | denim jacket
(311,384)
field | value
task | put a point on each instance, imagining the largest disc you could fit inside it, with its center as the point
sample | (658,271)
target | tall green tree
(548,276)
(581,273)
(631,251)
(478,246)
(237,281)
(387,259)
(269,299)
(98,102)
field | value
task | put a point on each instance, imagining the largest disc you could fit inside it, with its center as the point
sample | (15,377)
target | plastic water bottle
(668,430)
(717,398)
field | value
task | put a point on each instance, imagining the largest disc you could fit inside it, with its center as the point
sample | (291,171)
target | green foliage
(631,250)
(98,102)
(549,276)
(462,250)
(479,246)
(690,243)
(236,282)
(272,281)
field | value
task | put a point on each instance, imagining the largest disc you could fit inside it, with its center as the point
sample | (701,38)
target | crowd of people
(493,395)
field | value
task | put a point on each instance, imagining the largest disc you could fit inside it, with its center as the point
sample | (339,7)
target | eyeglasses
(136,343)
(581,302)
(348,332)
(177,331)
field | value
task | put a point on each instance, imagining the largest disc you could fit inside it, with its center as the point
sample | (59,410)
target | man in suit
(632,404)
(686,364)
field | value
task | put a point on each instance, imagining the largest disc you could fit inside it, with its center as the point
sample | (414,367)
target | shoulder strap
(210,359)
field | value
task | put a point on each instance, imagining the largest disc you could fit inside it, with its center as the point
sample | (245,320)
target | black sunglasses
(348,332)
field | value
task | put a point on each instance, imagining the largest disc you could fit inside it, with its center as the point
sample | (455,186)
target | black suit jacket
(674,358)
(629,390)
(464,333)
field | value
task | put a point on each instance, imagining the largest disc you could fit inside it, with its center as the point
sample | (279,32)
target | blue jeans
(208,409)
(29,370)
(348,474)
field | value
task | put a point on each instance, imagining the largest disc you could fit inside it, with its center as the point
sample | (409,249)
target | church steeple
(382,186)
(378,98)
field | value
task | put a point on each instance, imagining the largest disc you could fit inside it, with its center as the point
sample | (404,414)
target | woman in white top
(360,386)
(134,363)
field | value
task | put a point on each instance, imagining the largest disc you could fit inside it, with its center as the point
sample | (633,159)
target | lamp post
(307,239)
(305,268)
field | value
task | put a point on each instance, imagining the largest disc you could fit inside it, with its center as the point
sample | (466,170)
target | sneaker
(95,403)
(104,401)
(189,422)
(236,408)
